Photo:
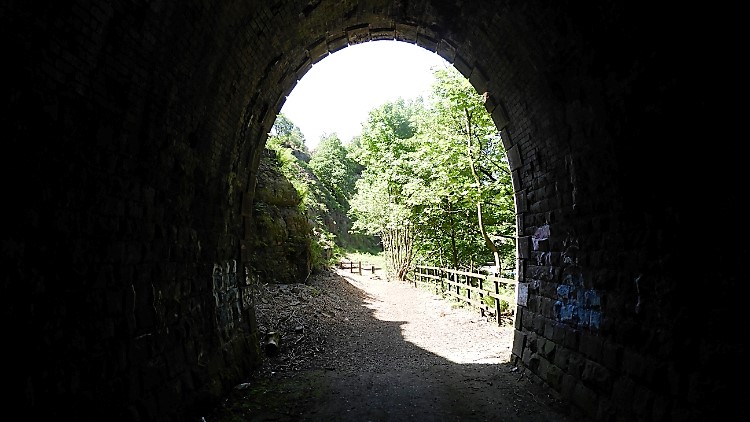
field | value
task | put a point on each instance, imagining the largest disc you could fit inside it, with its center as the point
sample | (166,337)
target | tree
(285,133)
(381,204)
(436,175)
(331,163)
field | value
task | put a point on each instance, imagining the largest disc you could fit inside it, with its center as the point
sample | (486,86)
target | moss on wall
(280,232)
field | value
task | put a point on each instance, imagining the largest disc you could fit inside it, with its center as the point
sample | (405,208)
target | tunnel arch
(422,32)
(137,130)
(417,33)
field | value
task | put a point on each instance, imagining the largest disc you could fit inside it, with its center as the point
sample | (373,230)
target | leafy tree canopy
(285,133)
(438,168)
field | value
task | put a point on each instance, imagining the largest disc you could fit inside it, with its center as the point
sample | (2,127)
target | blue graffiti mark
(584,315)
(568,312)
(591,299)
(578,306)
(574,280)
(596,320)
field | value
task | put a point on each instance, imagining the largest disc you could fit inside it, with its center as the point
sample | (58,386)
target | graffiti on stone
(522,295)
(227,296)
(577,305)
(540,237)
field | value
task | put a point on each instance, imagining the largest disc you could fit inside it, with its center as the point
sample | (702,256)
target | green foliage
(466,136)
(418,177)
(285,133)
(338,172)
(325,252)
(427,164)
(504,306)
(324,186)
(291,168)
(377,259)
(385,150)
(382,205)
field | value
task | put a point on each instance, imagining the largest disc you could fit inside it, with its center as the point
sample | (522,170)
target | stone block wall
(133,135)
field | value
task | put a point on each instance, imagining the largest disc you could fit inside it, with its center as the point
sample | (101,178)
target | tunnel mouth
(346,68)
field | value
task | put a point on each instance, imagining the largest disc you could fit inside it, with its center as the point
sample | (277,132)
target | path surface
(358,348)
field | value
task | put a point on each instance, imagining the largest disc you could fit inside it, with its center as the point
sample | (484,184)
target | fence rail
(357,267)
(469,287)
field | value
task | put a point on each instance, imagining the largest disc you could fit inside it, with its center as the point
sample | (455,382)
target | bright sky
(338,92)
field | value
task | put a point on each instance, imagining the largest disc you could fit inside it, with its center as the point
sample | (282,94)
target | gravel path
(361,348)
(435,324)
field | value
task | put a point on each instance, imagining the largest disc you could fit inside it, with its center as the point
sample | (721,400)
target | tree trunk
(490,244)
(454,249)
(397,244)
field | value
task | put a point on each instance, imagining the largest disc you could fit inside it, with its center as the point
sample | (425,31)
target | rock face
(279,229)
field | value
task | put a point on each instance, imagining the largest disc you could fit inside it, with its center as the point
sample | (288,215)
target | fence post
(497,302)
(481,296)
(442,280)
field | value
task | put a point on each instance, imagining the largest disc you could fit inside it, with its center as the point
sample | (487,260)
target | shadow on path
(365,370)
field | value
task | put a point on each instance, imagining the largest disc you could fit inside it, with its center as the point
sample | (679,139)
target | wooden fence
(469,287)
(357,267)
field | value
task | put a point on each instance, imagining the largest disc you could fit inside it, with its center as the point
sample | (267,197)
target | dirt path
(357,348)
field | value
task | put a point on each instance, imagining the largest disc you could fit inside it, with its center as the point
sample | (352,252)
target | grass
(367,258)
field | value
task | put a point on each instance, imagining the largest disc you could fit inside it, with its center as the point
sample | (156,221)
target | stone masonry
(133,133)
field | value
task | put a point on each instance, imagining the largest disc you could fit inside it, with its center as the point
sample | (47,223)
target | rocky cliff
(280,231)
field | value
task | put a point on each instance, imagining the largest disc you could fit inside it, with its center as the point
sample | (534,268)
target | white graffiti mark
(544,258)
(638,291)
(570,255)
(541,233)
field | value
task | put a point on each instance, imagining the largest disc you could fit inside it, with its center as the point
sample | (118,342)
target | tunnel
(134,131)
